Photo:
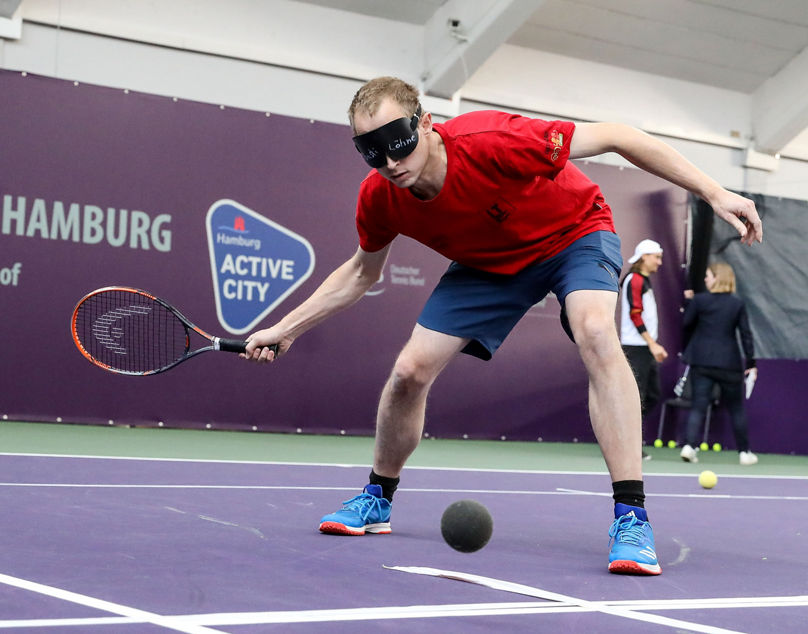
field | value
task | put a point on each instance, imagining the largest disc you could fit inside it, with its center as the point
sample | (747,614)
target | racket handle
(239,346)
(231,345)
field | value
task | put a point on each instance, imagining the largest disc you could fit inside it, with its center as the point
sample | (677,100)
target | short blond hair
(370,96)
(724,277)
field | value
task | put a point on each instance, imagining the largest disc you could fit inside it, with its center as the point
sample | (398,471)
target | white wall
(709,125)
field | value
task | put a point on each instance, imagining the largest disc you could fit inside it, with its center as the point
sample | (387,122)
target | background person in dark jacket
(711,321)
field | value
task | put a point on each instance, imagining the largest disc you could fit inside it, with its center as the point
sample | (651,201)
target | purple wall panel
(103,147)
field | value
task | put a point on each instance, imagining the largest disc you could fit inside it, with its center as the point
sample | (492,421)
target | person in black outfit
(711,321)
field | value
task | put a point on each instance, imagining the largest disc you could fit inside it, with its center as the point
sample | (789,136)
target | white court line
(712,496)
(432,611)
(90,485)
(269,487)
(713,603)
(554,596)
(28,623)
(106,606)
(750,476)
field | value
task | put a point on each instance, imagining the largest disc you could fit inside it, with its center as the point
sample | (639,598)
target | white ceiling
(754,47)
(8,7)
(732,44)
(754,51)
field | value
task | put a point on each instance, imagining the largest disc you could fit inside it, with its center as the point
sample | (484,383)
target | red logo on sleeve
(556,142)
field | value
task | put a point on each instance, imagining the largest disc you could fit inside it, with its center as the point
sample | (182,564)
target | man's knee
(411,372)
(423,358)
(596,332)
(591,318)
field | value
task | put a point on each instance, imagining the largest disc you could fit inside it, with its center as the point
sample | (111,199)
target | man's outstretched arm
(659,158)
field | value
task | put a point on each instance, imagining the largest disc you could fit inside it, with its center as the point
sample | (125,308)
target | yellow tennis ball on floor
(658,443)
(704,446)
(717,446)
(672,444)
(707,479)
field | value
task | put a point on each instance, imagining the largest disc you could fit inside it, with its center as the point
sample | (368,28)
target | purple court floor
(117,545)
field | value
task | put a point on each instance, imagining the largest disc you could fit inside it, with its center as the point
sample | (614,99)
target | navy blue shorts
(485,307)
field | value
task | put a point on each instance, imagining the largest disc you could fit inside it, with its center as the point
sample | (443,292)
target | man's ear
(425,123)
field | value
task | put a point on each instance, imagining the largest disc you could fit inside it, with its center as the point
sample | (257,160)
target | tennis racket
(128,331)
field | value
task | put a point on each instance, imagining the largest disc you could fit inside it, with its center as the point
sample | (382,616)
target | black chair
(683,401)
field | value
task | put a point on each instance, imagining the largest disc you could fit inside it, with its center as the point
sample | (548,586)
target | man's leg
(400,417)
(614,400)
(399,425)
(614,407)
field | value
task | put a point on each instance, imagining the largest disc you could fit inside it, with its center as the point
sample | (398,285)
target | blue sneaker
(632,544)
(368,512)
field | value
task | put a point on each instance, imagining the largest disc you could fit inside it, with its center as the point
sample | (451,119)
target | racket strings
(130,331)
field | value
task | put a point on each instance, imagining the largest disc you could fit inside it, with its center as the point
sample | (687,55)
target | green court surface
(85,440)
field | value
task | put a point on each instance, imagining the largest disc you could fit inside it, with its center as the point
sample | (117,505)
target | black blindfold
(396,139)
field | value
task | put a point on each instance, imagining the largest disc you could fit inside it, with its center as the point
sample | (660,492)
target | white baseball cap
(646,247)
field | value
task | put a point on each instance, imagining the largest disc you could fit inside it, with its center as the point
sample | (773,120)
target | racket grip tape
(239,346)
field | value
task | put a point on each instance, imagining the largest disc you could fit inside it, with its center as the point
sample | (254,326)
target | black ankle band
(388,485)
(629,492)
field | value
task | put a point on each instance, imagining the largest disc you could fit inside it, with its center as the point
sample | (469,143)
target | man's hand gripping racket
(262,342)
(129,331)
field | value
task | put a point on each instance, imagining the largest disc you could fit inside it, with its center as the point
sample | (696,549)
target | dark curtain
(772,277)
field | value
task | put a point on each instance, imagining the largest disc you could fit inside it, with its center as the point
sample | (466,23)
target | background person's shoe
(747,458)
(688,454)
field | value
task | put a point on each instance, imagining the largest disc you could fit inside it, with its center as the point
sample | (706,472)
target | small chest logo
(498,211)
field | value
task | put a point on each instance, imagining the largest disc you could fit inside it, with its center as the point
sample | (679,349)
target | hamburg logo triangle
(256,263)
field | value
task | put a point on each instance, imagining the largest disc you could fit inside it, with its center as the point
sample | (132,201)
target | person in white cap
(639,323)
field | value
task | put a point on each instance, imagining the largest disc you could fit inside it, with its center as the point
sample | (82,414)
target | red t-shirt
(510,197)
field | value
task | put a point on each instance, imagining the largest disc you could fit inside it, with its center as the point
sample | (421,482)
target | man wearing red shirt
(496,194)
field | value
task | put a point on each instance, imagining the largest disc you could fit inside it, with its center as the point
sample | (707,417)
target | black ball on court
(466,525)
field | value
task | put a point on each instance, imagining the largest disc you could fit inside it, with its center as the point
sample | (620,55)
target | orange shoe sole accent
(627,567)
(335,528)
